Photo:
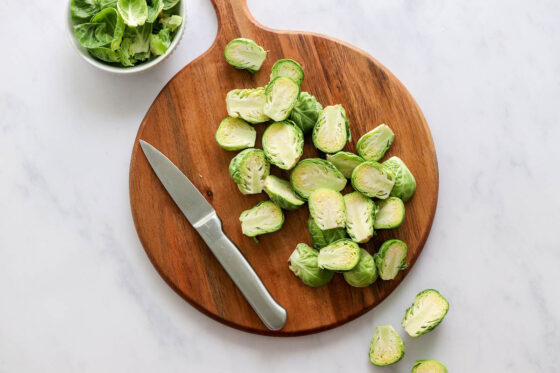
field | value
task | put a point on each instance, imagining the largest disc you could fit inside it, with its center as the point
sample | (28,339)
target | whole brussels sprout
(390,213)
(373,145)
(247,104)
(314,173)
(321,238)
(372,180)
(405,184)
(360,215)
(303,263)
(341,255)
(345,162)
(289,68)
(332,129)
(265,217)
(364,274)
(249,169)
(283,144)
(306,112)
(235,134)
(387,347)
(427,311)
(281,192)
(243,53)
(281,95)
(326,207)
(429,366)
(390,259)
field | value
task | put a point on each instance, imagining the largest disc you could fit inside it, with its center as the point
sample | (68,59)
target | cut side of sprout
(429,366)
(327,208)
(332,131)
(281,95)
(360,215)
(427,311)
(341,255)
(304,264)
(281,192)
(364,274)
(386,347)
(390,259)
(247,104)
(283,144)
(372,180)
(235,134)
(243,53)
(289,68)
(390,213)
(266,217)
(373,145)
(345,162)
(249,169)
(314,173)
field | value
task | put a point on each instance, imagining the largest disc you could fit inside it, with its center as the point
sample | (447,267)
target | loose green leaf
(87,34)
(171,22)
(168,4)
(134,12)
(105,54)
(139,39)
(160,42)
(305,112)
(113,29)
(83,10)
(154,9)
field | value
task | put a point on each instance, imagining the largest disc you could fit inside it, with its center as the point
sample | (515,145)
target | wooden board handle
(234,19)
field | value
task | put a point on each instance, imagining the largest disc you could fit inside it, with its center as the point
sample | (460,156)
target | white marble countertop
(80,295)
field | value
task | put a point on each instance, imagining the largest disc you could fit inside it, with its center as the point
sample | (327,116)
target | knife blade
(204,219)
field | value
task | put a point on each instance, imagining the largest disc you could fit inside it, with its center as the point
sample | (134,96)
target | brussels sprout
(364,274)
(373,145)
(390,213)
(341,255)
(280,192)
(390,259)
(249,169)
(244,53)
(235,134)
(386,347)
(373,180)
(405,184)
(306,112)
(303,263)
(247,104)
(427,311)
(327,208)
(289,68)
(345,162)
(429,366)
(332,129)
(283,144)
(281,95)
(360,215)
(314,173)
(321,238)
(265,217)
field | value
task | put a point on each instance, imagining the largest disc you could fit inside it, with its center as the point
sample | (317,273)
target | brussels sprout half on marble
(235,134)
(427,311)
(363,274)
(249,170)
(247,104)
(390,213)
(281,95)
(282,143)
(243,53)
(390,259)
(306,112)
(345,162)
(321,238)
(429,366)
(326,207)
(373,145)
(281,192)
(332,130)
(314,173)
(372,180)
(265,217)
(405,184)
(341,255)
(289,68)
(386,347)
(304,264)
(360,215)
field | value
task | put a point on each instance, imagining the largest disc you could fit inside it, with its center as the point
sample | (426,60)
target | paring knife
(204,219)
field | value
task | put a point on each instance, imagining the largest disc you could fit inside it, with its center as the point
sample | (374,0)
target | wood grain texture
(182,122)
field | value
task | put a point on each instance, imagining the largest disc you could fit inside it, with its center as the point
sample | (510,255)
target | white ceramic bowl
(122,69)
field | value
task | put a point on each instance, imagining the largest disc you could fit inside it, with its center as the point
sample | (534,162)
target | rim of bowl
(82,51)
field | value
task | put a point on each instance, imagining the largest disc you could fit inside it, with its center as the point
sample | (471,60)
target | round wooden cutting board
(182,122)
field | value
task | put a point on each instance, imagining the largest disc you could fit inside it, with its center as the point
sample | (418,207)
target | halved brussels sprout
(332,129)
(364,274)
(247,104)
(390,213)
(360,215)
(390,259)
(386,347)
(373,180)
(321,238)
(243,53)
(306,112)
(327,208)
(281,95)
(345,162)
(289,68)
(314,173)
(427,311)
(283,144)
(373,145)
(280,192)
(249,169)
(235,134)
(303,263)
(429,366)
(405,184)
(265,217)
(341,255)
